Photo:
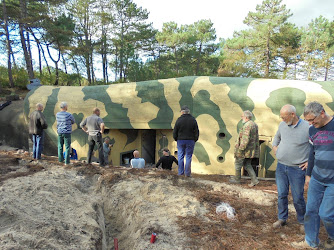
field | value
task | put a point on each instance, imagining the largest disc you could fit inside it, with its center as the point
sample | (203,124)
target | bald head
(288,108)
(136,154)
(288,114)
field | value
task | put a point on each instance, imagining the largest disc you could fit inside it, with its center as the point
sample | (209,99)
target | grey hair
(248,114)
(39,105)
(63,105)
(187,111)
(314,108)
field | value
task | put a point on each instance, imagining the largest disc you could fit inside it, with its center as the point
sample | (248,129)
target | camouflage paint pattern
(217,104)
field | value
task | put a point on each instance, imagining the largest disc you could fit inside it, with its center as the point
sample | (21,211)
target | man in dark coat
(186,133)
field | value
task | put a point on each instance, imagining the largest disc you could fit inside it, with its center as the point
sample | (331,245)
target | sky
(228,16)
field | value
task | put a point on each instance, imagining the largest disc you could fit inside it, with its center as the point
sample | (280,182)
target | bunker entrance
(145,143)
(148,142)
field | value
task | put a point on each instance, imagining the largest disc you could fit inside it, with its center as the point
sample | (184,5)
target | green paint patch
(185,86)
(269,160)
(49,114)
(153,92)
(328,86)
(201,153)
(238,90)
(117,117)
(280,97)
(163,142)
(131,135)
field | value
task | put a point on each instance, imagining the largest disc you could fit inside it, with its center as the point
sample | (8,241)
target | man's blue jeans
(295,177)
(38,142)
(320,205)
(185,148)
(64,138)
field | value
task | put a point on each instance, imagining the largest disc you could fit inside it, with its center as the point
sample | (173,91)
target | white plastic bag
(225,207)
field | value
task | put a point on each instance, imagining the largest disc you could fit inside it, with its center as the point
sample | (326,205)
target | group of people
(305,158)
(186,134)
(304,150)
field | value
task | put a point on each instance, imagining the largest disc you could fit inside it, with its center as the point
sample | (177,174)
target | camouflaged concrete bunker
(141,115)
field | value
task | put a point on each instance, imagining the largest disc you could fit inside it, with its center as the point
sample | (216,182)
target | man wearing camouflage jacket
(246,148)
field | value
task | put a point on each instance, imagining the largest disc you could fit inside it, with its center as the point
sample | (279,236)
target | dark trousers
(92,140)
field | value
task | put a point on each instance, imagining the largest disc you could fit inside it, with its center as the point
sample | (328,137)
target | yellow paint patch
(139,113)
(173,96)
(40,95)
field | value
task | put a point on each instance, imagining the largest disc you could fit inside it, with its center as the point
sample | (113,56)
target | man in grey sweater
(291,147)
(94,127)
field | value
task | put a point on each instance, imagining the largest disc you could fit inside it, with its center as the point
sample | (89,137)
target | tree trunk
(176,62)
(56,64)
(64,62)
(9,48)
(266,74)
(39,59)
(23,41)
(326,69)
(198,59)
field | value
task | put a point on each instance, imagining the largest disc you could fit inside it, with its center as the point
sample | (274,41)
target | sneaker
(302,245)
(329,244)
(252,184)
(234,181)
(279,223)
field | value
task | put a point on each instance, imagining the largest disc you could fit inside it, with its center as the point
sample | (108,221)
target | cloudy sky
(228,15)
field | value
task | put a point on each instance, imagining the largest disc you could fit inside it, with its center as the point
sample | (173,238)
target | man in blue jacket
(186,133)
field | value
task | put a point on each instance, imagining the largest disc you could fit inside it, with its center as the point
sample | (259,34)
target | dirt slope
(45,205)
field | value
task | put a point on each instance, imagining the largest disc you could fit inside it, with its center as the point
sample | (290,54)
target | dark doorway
(148,138)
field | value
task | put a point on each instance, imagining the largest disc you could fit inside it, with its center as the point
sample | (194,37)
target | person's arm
(43,121)
(72,119)
(196,131)
(175,160)
(277,140)
(158,163)
(176,130)
(310,165)
(244,140)
(102,127)
(83,125)
(106,148)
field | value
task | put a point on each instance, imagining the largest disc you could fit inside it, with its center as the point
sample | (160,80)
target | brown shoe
(279,223)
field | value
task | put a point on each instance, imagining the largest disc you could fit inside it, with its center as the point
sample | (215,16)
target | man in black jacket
(166,160)
(36,126)
(186,134)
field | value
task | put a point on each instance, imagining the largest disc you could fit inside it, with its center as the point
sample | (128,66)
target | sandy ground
(45,205)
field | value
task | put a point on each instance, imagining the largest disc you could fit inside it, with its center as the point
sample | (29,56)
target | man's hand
(303,166)
(275,149)
(307,181)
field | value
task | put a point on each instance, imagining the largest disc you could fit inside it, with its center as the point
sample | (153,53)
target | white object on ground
(225,207)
